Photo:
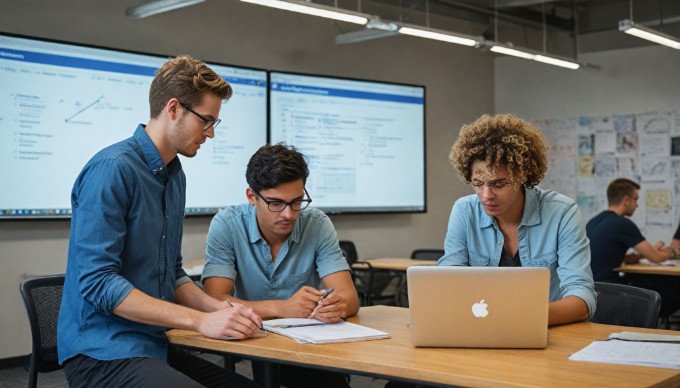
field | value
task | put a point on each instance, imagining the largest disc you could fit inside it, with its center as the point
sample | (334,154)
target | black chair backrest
(42,299)
(427,254)
(350,251)
(623,305)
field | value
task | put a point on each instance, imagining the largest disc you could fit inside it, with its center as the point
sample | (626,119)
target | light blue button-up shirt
(236,250)
(126,232)
(551,234)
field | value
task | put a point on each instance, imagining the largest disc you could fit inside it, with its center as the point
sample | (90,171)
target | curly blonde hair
(501,141)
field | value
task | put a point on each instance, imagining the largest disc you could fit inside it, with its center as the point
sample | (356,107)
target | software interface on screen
(61,103)
(364,140)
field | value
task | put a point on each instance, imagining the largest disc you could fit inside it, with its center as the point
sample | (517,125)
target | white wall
(459,84)
(629,81)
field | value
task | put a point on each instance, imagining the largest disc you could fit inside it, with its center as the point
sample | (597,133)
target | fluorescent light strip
(534,56)
(629,27)
(513,52)
(159,6)
(311,9)
(431,34)
(557,62)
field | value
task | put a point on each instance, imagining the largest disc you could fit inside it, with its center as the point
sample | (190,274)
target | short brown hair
(619,189)
(501,140)
(272,165)
(186,79)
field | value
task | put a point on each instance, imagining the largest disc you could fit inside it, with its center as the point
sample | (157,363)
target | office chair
(42,299)
(369,282)
(427,254)
(619,304)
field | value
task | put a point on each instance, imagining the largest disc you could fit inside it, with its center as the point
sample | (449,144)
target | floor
(18,377)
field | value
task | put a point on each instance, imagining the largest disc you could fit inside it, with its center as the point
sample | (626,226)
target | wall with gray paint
(459,83)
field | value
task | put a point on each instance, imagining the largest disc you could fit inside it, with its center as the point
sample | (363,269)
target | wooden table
(396,359)
(649,269)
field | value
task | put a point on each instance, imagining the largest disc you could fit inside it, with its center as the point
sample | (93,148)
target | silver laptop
(478,307)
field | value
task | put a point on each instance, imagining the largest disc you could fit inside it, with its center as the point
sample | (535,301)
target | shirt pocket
(297,280)
(547,259)
(478,259)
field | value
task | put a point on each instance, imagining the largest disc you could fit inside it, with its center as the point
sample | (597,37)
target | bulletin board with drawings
(588,152)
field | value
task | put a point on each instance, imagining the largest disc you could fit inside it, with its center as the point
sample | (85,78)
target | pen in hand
(327,292)
(261,328)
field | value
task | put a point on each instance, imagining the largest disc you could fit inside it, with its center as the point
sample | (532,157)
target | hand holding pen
(330,307)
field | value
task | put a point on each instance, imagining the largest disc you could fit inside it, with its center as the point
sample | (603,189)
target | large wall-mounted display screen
(364,140)
(60,103)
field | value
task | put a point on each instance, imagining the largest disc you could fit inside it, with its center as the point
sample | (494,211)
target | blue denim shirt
(236,250)
(551,234)
(126,232)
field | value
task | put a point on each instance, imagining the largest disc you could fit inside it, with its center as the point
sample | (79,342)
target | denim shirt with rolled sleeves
(126,233)
(551,234)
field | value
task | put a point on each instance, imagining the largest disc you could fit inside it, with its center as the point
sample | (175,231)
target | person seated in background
(675,243)
(511,222)
(273,254)
(612,233)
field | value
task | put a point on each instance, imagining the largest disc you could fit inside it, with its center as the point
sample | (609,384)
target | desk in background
(651,269)
(194,269)
(396,359)
(393,264)
(398,267)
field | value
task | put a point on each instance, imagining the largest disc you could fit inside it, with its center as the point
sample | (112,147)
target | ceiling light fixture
(313,9)
(158,6)
(508,49)
(374,29)
(632,28)
(444,36)
(512,51)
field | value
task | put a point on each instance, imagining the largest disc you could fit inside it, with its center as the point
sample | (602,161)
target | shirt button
(499,243)
(164,237)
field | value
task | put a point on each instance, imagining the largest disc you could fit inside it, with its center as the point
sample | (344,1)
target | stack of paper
(655,350)
(313,331)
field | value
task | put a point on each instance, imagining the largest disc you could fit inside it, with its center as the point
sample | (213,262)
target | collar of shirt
(151,155)
(530,216)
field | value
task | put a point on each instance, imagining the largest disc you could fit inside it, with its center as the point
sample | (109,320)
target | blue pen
(327,292)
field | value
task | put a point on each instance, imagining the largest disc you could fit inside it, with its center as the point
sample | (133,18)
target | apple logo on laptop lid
(479,309)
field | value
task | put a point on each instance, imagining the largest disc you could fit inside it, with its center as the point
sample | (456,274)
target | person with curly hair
(511,222)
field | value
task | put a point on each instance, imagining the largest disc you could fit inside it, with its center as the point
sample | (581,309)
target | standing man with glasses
(273,254)
(125,285)
(511,222)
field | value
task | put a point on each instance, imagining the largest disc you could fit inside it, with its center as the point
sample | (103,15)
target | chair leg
(32,373)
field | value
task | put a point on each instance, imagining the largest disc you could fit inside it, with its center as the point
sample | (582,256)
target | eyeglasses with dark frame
(494,186)
(207,122)
(277,206)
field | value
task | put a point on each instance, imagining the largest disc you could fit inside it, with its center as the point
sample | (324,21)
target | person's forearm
(266,309)
(352,301)
(190,295)
(660,255)
(567,310)
(142,308)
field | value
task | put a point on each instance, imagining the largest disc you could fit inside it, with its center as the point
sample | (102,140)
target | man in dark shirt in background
(612,233)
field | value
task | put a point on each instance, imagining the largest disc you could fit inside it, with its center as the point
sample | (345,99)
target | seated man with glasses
(511,222)
(273,254)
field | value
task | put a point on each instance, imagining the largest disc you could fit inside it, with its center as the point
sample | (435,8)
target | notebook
(478,307)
